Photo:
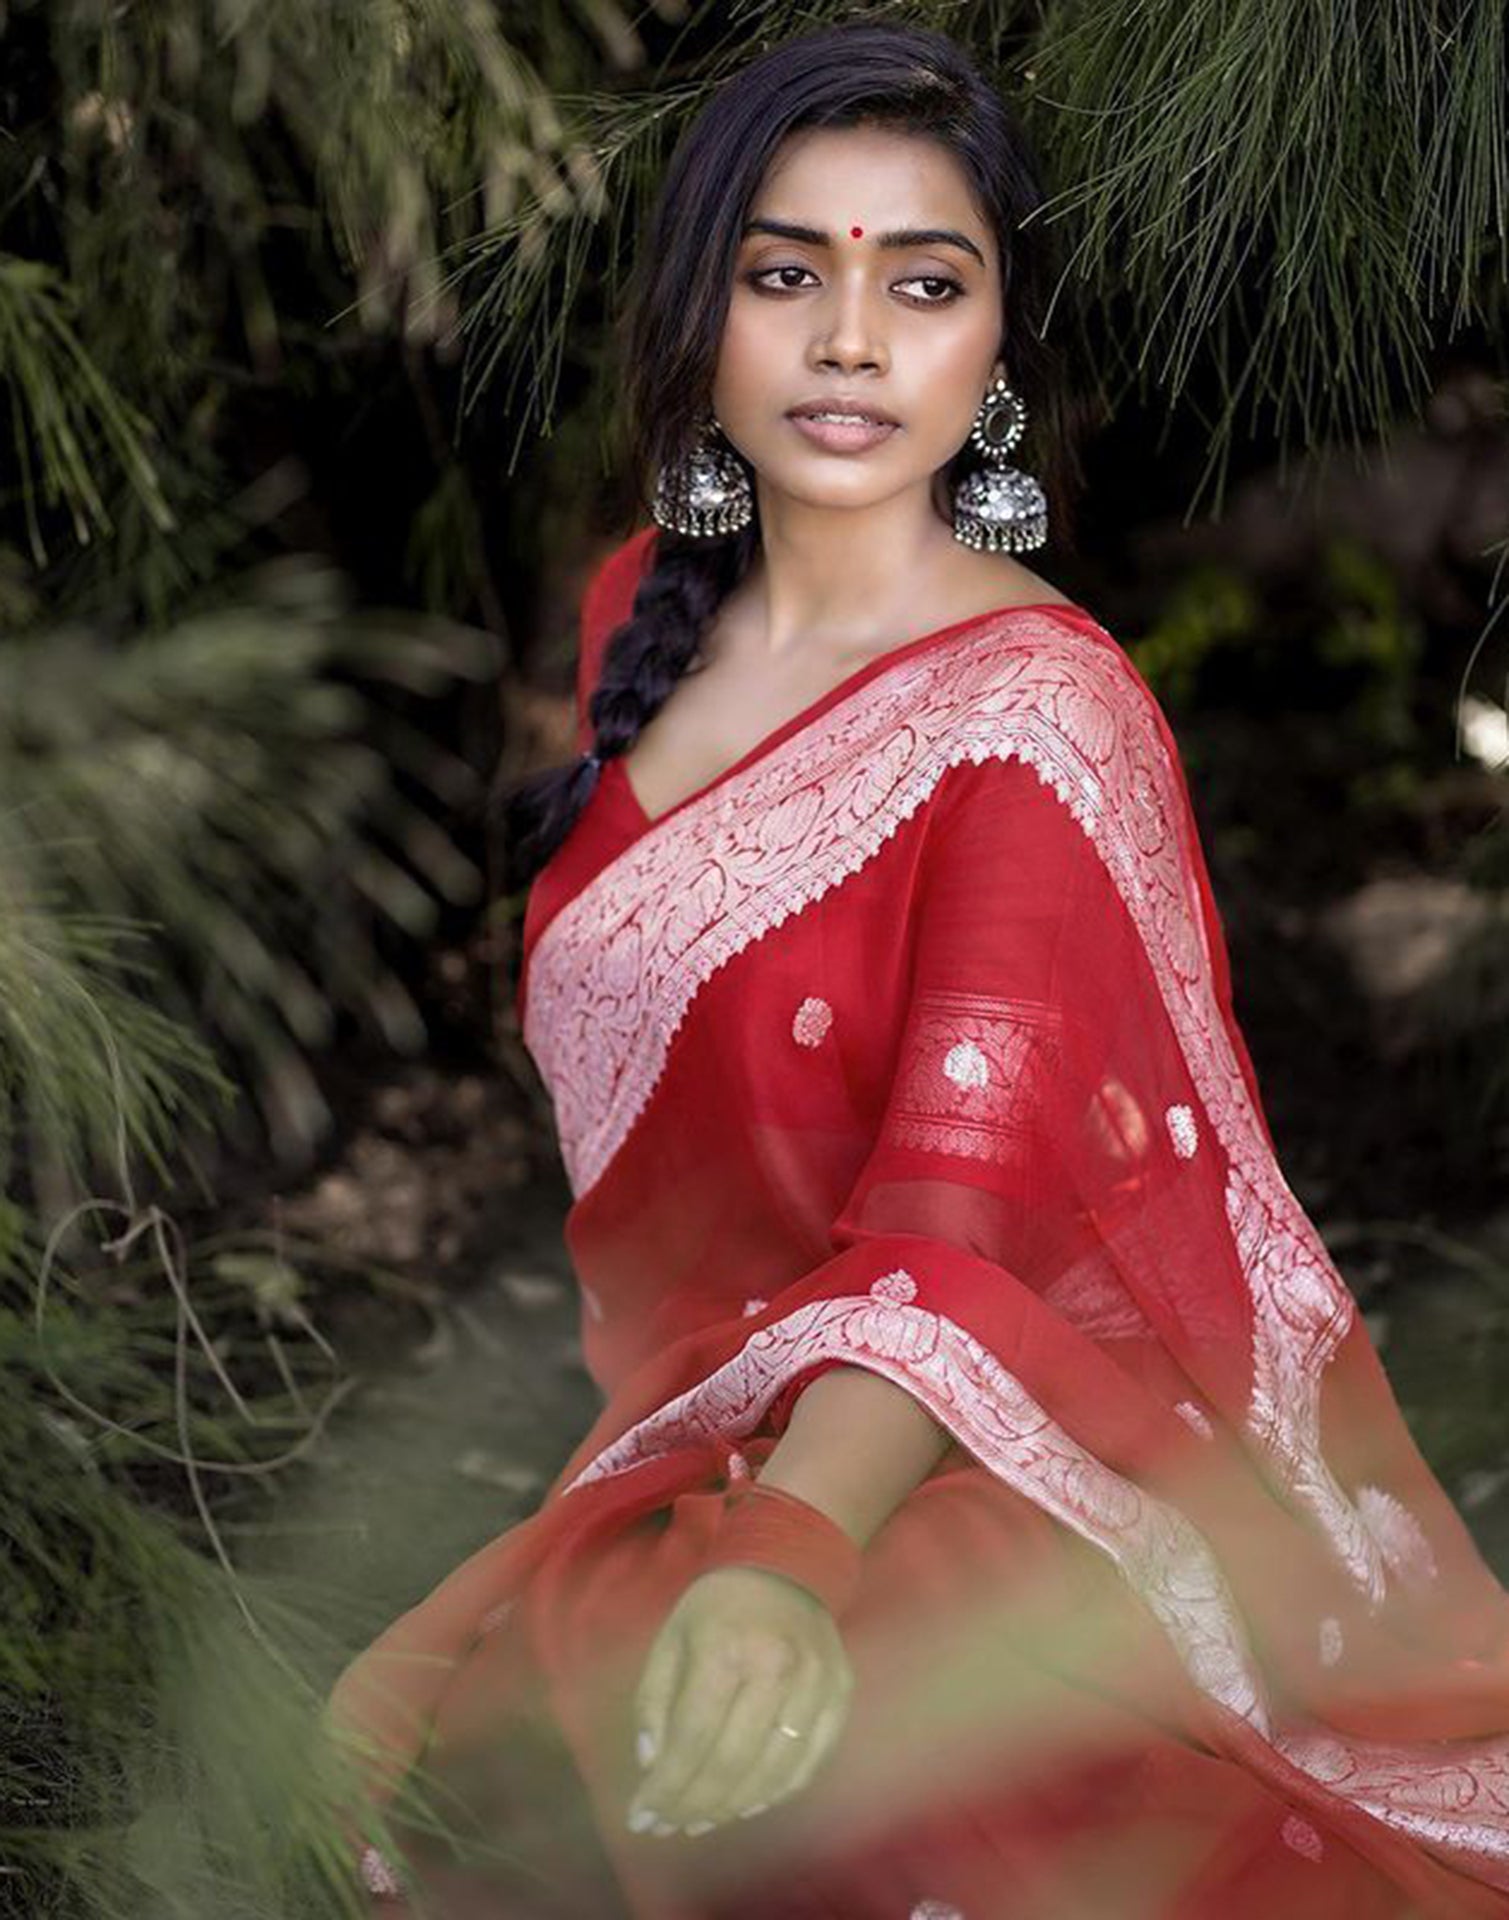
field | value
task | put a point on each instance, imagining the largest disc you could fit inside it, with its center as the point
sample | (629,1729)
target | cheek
(744,362)
(953,367)
(955,355)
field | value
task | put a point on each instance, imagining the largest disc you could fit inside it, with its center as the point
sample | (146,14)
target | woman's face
(883,290)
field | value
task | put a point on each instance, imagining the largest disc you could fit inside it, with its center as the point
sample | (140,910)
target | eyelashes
(760,275)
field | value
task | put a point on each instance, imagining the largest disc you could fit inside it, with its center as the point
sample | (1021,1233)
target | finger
(831,1720)
(697,1714)
(655,1692)
(742,1739)
(817,1747)
(774,1765)
(708,1684)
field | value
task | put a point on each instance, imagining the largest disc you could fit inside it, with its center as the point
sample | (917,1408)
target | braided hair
(905,79)
(642,661)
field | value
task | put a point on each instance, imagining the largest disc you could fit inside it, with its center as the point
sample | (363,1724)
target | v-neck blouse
(613,818)
(814,709)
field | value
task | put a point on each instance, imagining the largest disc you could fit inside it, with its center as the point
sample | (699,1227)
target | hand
(742,1652)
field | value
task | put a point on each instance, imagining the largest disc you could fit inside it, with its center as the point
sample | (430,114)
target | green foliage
(68,422)
(361,131)
(259,186)
(1377,646)
(162,1748)
(146,1393)
(231,783)
(87,1065)
(162,1744)
(1349,647)
(1319,701)
(216,816)
(1206,609)
(1301,199)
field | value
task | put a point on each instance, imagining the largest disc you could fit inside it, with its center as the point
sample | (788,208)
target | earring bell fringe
(999,508)
(707,495)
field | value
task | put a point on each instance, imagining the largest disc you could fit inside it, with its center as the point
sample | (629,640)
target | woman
(997,1508)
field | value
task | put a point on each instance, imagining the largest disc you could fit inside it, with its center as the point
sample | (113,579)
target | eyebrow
(902,237)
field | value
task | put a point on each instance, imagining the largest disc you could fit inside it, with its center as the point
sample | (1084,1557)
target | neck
(838,577)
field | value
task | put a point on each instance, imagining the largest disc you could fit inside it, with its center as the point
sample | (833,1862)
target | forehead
(871,177)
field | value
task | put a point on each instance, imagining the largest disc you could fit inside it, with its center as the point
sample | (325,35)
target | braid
(643,659)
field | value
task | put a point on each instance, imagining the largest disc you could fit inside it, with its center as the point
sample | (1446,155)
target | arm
(855,1447)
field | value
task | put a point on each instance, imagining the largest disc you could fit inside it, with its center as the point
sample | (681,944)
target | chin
(849,499)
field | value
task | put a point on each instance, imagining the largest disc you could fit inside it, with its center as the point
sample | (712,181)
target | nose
(849,336)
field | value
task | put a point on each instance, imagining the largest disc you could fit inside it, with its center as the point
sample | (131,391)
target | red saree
(907,1043)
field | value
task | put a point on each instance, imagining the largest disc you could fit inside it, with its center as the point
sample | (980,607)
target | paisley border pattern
(1454,1800)
(614,973)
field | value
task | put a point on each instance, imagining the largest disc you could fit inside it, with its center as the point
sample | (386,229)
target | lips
(838,435)
(853,411)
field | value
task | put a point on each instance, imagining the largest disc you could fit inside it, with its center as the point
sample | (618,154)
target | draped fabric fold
(908,1044)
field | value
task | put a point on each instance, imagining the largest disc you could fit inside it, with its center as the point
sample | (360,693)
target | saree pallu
(907,1043)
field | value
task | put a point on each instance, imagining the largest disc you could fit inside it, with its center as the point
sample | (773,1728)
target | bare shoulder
(1001,580)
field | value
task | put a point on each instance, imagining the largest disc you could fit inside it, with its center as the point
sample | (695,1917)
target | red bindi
(856,233)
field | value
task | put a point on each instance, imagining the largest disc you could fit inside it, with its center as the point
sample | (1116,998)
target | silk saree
(907,1043)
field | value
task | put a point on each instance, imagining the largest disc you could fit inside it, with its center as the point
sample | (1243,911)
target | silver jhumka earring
(1000,508)
(708,493)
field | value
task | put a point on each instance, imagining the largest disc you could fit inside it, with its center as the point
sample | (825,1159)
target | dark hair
(905,79)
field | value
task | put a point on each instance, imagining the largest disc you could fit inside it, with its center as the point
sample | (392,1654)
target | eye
(943,289)
(762,274)
(952,288)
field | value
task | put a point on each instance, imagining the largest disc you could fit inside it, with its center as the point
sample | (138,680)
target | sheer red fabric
(907,1044)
